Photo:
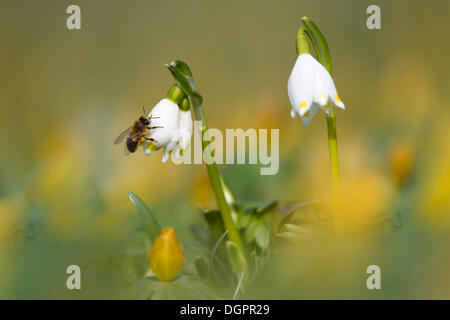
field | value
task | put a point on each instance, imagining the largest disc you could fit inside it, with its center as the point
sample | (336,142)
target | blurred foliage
(65,95)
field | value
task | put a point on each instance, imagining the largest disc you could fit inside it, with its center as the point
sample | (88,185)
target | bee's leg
(150,139)
(154,127)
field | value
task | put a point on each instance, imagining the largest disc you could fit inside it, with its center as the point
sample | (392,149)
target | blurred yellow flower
(435,197)
(166,255)
(60,185)
(407,87)
(10,218)
(364,201)
(201,191)
(401,164)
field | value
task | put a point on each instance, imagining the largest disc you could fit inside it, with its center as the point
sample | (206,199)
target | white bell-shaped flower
(185,133)
(165,116)
(311,87)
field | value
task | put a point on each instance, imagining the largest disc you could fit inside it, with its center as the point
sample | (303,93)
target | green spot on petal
(151,147)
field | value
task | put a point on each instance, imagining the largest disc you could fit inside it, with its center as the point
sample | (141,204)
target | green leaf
(193,250)
(200,265)
(244,216)
(301,232)
(143,288)
(271,205)
(148,220)
(262,235)
(258,220)
(215,222)
(139,244)
(308,211)
(252,228)
(319,43)
(190,287)
(183,76)
(183,287)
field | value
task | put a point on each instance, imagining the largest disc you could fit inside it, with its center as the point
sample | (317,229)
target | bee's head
(144,120)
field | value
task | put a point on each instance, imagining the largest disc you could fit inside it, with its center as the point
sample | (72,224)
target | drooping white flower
(185,133)
(165,115)
(172,129)
(311,87)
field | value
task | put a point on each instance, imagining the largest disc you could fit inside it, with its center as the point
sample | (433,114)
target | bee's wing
(122,136)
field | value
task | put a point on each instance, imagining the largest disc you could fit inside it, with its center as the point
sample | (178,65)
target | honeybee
(136,133)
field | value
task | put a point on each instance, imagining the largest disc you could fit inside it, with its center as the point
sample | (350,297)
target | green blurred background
(65,95)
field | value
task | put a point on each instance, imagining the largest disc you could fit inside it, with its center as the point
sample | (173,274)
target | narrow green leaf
(239,285)
(148,220)
(301,231)
(289,236)
(268,206)
(183,76)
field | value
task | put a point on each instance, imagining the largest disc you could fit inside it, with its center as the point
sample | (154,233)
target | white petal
(322,73)
(310,114)
(301,84)
(185,132)
(150,147)
(331,88)
(166,155)
(166,115)
(169,148)
(321,93)
(338,102)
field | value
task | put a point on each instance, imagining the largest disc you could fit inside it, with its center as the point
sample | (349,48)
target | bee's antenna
(143,109)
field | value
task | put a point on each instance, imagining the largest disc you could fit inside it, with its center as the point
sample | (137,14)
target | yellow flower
(166,255)
(364,200)
(401,161)
(10,216)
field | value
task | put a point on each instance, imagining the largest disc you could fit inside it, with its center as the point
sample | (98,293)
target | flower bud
(401,161)
(166,255)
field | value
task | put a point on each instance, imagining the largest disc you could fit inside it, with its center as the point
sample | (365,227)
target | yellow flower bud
(401,164)
(166,255)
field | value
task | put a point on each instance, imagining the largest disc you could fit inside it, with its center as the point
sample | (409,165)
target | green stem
(183,76)
(323,55)
(215,179)
(334,159)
